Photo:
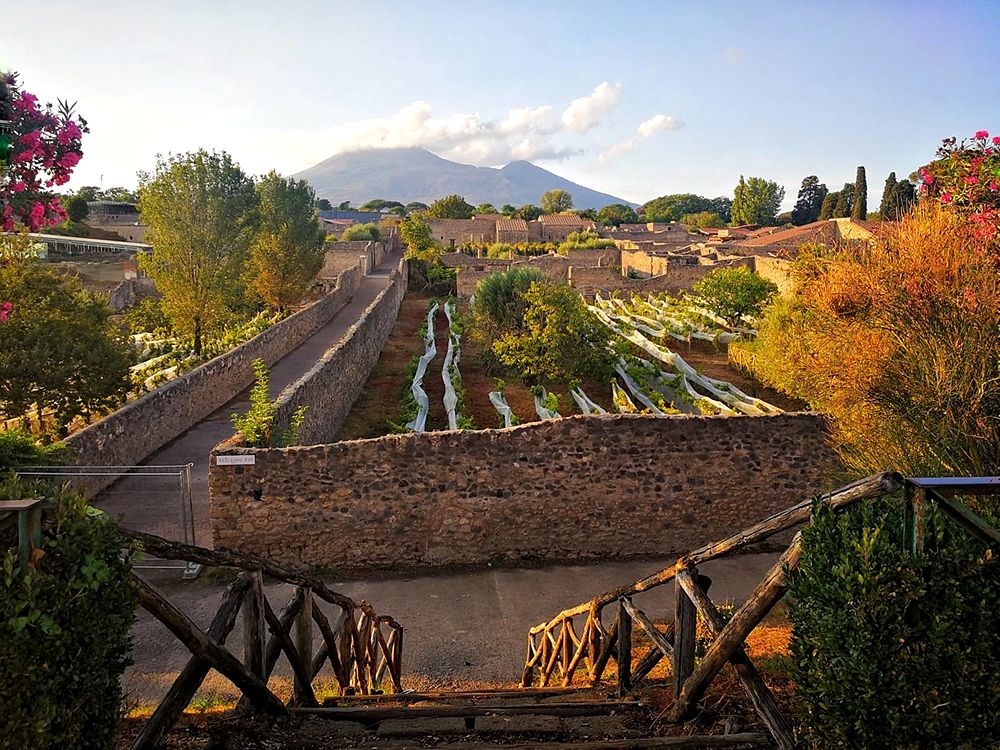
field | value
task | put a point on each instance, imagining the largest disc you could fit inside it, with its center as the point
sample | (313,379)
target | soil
(380,401)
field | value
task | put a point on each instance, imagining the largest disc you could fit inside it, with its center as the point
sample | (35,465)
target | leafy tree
(703,219)
(118,195)
(528,212)
(723,206)
(588,213)
(887,208)
(486,208)
(556,201)
(499,305)
(415,206)
(287,252)
(378,204)
(859,205)
(450,207)
(756,201)
(76,209)
(810,201)
(58,348)
(324,205)
(345,206)
(202,214)
(829,205)
(845,201)
(89,192)
(416,235)
(257,424)
(507,209)
(735,294)
(616,214)
(356,232)
(673,207)
(906,196)
(558,338)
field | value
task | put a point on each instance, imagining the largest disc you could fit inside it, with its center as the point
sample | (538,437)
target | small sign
(235,460)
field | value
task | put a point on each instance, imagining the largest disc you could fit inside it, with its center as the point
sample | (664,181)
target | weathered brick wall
(333,384)
(568,489)
(776,270)
(127,436)
(677,278)
(610,257)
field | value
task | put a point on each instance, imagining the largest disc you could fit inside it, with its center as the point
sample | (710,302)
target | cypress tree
(844,200)
(859,209)
(906,196)
(887,208)
(810,200)
(829,203)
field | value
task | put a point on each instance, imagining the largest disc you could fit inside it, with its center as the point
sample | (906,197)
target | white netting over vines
(542,406)
(586,405)
(419,422)
(450,374)
(499,402)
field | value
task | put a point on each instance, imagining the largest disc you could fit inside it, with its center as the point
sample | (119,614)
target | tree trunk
(197,334)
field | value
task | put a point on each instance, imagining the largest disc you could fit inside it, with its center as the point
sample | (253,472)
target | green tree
(76,208)
(324,205)
(616,214)
(556,201)
(845,201)
(378,204)
(287,252)
(828,207)
(415,206)
(118,195)
(416,235)
(58,348)
(499,305)
(735,294)
(202,214)
(528,212)
(345,206)
(588,214)
(507,209)
(906,196)
(703,219)
(756,201)
(486,208)
(810,201)
(887,208)
(357,232)
(450,207)
(859,205)
(673,207)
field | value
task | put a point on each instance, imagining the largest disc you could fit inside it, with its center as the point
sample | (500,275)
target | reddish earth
(380,401)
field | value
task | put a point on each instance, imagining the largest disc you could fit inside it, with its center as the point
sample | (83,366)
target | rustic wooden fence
(362,648)
(560,647)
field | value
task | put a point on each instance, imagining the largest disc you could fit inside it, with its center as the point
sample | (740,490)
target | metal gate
(152,499)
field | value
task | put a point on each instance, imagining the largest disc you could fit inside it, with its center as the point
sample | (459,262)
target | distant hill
(415,174)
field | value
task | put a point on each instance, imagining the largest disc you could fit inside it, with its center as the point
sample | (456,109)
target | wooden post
(624,651)
(254,627)
(913,517)
(685,627)
(303,645)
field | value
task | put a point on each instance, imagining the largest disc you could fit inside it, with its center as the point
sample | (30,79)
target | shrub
(359,232)
(735,294)
(19,448)
(148,316)
(64,632)
(257,425)
(892,650)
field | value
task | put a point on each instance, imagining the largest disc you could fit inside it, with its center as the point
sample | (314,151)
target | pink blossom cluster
(5,310)
(44,151)
(966,176)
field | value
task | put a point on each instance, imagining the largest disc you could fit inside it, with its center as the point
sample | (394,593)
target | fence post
(254,633)
(913,517)
(303,644)
(624,651)
(685,624)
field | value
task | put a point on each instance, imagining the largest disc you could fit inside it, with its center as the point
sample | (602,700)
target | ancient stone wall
(332,385)
(776,270)
(127,436)
(567,489)
(589,281)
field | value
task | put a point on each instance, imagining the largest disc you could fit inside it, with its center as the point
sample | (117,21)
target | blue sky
(635,99)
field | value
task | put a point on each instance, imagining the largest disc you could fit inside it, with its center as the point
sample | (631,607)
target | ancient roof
(561,220)
(512,225)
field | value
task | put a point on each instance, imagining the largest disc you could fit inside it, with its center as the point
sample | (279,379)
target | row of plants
(454,397)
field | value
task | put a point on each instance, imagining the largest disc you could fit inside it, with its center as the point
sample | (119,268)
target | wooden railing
(362,648)
(555,650)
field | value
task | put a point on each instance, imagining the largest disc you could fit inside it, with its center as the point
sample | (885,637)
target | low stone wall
(588,281)
(777,271)
(127,436)
(567,489)
(333,384)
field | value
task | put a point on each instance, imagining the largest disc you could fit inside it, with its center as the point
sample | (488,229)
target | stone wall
(776,270)
(589,281)
(332,385)
(127,436)
(568,489)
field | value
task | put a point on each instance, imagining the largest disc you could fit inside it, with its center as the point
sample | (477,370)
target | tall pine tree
(809,202)
(829,203)
(906,196)
(844,201)
(859,207)
(887,208)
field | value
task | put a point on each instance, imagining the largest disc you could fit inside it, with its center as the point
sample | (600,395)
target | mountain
(415,174)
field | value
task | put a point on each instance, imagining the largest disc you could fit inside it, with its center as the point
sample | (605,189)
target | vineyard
(431,376)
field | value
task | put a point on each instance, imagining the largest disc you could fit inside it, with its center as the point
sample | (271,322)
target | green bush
(892,650)
(257,425)
(19,448)
(735,294)
(64,632)
(360,232)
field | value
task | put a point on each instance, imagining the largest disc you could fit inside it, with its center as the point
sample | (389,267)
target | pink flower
(982,135)
(69,160)
(26,102)
(927,177)
(18,187)
(994,186)
(996,140)
(69,133)
(946,197)
(5,310)
(971,180)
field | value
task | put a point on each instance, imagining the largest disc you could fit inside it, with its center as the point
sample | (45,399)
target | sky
(636,99)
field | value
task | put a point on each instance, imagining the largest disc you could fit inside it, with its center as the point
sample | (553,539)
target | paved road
(143,503)
(459,628)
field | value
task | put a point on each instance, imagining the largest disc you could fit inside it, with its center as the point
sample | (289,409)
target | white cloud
(647,128)
(589,111)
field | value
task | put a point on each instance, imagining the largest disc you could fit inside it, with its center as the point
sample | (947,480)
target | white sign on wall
(235,460)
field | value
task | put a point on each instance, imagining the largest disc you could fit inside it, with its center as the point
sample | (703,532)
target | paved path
(142,503)
(459,628)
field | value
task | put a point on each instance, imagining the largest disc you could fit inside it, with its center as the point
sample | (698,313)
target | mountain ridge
(416,174)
